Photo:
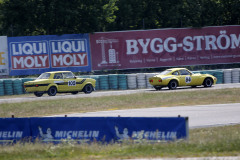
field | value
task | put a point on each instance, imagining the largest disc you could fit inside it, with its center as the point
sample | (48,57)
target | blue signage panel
(37,54)
(14,129)
(105,129)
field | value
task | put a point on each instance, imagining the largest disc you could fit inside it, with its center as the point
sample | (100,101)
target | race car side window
(184,72)
(58,76)
(175,73)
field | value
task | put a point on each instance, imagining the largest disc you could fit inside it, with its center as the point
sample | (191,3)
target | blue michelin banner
(37,54)
(14,129)
(88,129)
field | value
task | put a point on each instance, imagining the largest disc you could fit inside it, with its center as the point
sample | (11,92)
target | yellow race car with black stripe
(172,78)
(59,82)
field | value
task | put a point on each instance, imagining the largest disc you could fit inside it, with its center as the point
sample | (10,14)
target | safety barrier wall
(88,129)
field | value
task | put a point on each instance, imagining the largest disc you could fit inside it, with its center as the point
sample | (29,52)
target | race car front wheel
(52,91)
(88,89)
(38,94)
(208,82)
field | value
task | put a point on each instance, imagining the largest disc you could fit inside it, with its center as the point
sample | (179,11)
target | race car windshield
(165,72)
(44,76)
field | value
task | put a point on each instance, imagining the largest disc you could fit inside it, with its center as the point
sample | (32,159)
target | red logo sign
(168,47)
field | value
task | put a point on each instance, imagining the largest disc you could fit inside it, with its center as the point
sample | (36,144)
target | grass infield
(131,101)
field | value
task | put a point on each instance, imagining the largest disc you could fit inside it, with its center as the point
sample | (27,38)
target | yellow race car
(59,82)
(172,78)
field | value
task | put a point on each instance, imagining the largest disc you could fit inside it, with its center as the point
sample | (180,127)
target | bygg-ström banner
(36,54)
(165,47)
(3,56)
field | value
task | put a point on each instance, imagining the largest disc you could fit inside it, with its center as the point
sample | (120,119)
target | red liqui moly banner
(165,47)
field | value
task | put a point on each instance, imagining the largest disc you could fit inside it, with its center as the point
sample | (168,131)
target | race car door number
(188,79)
(71,83)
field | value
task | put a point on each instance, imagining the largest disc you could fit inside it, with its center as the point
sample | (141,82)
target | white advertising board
(4,70)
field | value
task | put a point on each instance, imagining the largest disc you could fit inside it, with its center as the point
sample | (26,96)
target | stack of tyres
(97,86)
(215,73)
(1,88)
(235,75)
(227,76)
(219,76)
(103,79)
(8,86)
(132,81)
(122,81)
(17,86)
(141,80)
(113,81)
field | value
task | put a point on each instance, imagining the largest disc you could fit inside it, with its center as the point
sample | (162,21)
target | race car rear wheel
(88,89)
(38,94)
(52,91)
(172,84)
(208,82)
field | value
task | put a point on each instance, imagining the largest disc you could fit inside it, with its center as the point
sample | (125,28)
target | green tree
(46,17)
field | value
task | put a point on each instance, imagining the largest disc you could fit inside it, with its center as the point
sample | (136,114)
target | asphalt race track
(31,97)
(199,116)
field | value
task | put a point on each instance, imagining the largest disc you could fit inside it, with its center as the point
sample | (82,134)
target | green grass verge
(219,141)
(139,100)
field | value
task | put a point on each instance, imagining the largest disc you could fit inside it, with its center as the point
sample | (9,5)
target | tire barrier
(235,75)
(113,81)
(97,87)
(217,73)
(8,86)
(141,80)
(104,85)
(17,86)
(122,82)
(132,81)
(219,76)
(1,88)
(227,75)
(119,81)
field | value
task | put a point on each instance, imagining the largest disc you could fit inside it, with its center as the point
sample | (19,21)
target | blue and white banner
(37,54)
(14,129)
(107,129)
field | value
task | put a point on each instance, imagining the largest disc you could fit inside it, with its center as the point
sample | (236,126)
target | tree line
(56,17)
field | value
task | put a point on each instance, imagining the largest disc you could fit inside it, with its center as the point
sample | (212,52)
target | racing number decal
(71,83)
(188,79)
